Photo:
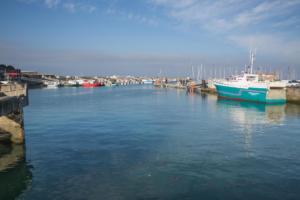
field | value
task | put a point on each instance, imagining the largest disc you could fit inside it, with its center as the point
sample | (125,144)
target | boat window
(251,78)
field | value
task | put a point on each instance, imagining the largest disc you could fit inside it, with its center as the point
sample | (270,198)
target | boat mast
(252,58)
(193,75)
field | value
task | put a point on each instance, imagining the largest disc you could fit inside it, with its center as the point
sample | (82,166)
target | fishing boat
(91,84)
(250,87)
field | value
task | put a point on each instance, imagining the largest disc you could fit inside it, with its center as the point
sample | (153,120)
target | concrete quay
(293,94)
(13,97)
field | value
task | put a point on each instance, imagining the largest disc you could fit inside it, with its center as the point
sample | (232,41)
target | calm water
(145,143)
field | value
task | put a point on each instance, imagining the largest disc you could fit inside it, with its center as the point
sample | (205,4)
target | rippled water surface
(145,143)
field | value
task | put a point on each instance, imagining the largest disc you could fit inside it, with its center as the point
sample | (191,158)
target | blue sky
(141,37)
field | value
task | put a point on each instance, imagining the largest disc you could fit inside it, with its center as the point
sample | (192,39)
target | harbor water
(141,142)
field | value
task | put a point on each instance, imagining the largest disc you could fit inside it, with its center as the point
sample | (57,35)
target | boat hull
(92,85)
(247,94)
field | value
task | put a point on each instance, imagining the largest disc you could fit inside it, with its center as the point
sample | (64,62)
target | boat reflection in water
(244,112)
(15,174)
(251,118)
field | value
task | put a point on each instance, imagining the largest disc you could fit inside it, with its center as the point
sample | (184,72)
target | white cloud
(27,1)
(176,3)
(142,19)
(227,15)
(74,7)
(51,3)
(278,46)
(88,8)
(71,7)
(132,16)
(241,22)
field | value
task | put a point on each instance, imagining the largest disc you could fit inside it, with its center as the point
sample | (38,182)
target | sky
(144,37)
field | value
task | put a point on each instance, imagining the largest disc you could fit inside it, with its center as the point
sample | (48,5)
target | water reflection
(253,113)
(292,110)
(15,174)
(249,117)
(256,113)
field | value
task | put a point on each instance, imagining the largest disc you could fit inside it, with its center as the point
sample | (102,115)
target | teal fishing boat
(249,87)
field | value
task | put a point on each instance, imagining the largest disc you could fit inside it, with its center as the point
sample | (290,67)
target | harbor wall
(13,125)
(13,97)
(293,94)
(277,93)
(14,89)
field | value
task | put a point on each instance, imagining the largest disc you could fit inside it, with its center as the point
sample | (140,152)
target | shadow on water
(15,173)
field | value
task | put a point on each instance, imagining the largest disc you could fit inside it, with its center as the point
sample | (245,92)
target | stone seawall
(13,97)
(13,125)
(277,93)
(14,89)
(293,94)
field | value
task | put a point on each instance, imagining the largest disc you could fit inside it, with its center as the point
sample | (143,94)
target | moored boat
(92,84)
(147,81)
(249,87)
(71,83)
(52,84)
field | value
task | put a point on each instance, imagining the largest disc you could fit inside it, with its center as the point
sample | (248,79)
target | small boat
(73,83)
(92,84)
(147,81)
(52,84)
(114,85)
